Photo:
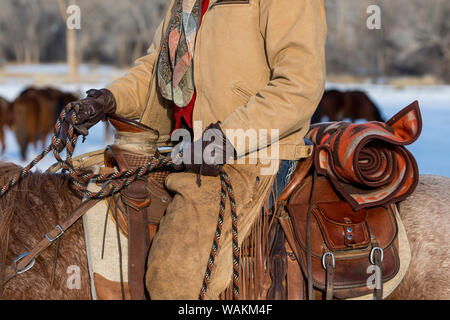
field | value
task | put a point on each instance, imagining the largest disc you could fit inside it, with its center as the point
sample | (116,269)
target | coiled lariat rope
(81,179)
(225,191)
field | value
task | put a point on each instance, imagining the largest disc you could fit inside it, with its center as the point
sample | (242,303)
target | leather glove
(92,110)
(206,156)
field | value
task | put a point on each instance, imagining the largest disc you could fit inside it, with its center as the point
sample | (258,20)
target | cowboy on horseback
(231,66)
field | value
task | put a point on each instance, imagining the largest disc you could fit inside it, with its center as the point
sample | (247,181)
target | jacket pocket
(242,92)
(229,2)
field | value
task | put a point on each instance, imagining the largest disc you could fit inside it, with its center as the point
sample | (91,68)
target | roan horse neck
(36,205)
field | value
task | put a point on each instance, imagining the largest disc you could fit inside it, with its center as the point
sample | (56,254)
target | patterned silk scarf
(175,66)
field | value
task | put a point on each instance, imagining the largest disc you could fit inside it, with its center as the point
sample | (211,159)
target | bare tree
(414,38)
(71,40)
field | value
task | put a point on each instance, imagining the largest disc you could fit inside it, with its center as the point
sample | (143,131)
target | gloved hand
(92,110)
(206,156)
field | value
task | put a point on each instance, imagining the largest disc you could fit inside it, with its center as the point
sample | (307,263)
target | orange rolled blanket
(368,163)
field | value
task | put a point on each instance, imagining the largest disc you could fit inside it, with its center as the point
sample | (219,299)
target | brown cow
(4,107)
(339,106)
(26,124)
(35,112)
(51,102)
(6,120)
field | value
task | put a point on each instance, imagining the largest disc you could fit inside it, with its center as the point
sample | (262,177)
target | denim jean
(283,177)
(287,167)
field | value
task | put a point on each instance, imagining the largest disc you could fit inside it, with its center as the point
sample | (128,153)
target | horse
(340,106)
(35,112)
(43,200)
(38,202)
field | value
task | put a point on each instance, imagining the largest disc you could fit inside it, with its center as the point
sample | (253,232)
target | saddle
(342,244)
(338,211)
(139,208)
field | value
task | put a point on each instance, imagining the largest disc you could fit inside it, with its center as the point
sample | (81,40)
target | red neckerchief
(186,112)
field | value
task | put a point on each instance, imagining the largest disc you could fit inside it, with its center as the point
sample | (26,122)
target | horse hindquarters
(425,217)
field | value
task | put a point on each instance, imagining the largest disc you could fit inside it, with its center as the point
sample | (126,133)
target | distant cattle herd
(346,106)
(32,115)
(5,120)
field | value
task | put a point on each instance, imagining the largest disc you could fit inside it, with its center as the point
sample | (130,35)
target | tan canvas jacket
(258,64)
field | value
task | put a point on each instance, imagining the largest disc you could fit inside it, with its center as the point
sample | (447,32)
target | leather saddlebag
(350,238)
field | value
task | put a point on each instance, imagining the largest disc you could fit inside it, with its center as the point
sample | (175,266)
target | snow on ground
(23,76)
(58,68)
(94,141)
(432,150)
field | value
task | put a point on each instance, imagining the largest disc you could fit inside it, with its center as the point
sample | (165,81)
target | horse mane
(37,189)
(27,212)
